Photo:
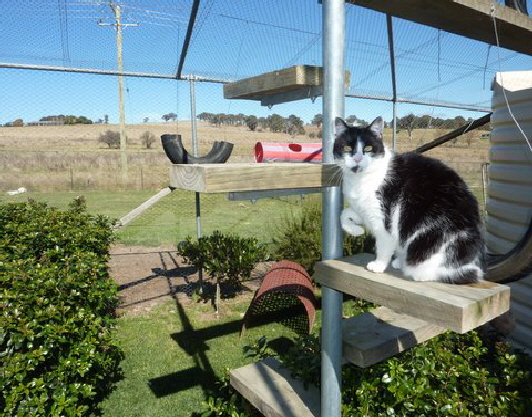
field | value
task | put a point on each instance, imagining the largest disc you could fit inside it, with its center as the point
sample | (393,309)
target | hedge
(58,353)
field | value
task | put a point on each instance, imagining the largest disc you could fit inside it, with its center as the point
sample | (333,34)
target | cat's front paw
(397,264)
(376,266)
(353,229)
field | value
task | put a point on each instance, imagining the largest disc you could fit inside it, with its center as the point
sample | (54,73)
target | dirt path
(150,276)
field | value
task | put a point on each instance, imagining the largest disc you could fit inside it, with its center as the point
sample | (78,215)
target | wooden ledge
(456,307)
(382,333)
(271,389)
(224,178)
(295,78)
(470,18)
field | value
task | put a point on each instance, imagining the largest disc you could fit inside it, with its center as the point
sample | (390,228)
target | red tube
(288,152)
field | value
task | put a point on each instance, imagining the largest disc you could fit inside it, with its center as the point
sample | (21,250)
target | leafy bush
(224,257)
(299,238)
(57,349)
(111,139)
(465,375)
(452,374)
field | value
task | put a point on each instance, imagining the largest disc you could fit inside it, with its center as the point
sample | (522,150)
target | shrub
(111,139)
(452,374)
(465,375)
(298,238)
(58,352)
(224,257)
(147,139)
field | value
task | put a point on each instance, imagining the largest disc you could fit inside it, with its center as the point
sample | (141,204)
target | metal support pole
(123,142)
(389,26)
(192,84)
(195,152)
(333,106)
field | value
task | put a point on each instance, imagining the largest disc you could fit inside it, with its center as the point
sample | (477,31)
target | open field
(57,163)
(54,158)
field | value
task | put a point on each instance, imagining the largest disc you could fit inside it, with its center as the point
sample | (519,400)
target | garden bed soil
(150,276)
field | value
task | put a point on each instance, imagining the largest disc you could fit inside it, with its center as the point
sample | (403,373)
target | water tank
(509,204)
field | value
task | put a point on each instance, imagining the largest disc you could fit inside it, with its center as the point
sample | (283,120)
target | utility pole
(115,7)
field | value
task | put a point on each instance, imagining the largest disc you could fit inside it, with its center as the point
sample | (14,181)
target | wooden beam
(270,388)
(456,307)
(224,178)
(296,78)
(469,18)
(136,212)
(382,333)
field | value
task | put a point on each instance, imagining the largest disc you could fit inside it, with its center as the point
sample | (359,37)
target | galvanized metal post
(333,106)
(389,25)
(195,152)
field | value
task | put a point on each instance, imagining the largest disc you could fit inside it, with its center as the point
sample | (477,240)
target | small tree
(111,139)
(147,139)
(224,257)
(407,122)
(169,116)
(317,120)
(276,123)
(252,122)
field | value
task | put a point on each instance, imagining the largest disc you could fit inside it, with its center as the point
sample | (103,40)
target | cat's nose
(357,157)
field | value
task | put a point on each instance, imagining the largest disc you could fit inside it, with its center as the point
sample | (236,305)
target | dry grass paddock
(47,158)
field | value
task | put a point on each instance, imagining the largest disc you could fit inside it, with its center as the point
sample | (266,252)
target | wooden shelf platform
(268,386)
(382,333)
(470,18)
(287,84)
(224,178)
(457,307)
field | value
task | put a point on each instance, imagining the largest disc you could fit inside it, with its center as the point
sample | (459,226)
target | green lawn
(174,217)
(114,204)
(175,354)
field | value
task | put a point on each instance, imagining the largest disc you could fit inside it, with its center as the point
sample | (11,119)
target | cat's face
(355,148)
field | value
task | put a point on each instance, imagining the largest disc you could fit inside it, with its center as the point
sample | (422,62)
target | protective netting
(55,160)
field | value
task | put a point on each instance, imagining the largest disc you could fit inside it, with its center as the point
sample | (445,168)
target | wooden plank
(136,212)
(457,307)
(268,386)
(382,333)
(224,178)
(295,78)
(469,18)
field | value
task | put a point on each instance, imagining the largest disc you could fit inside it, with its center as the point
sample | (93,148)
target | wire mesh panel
(60,134)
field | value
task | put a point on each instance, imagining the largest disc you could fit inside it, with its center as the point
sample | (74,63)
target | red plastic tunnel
(288,152)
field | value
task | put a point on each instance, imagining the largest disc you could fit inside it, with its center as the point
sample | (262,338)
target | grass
(175,353)
(114,204)
(174,217)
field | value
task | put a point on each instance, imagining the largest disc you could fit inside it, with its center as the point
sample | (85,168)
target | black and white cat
(417,208)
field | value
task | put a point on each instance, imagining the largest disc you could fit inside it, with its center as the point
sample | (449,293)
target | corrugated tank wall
(509,205)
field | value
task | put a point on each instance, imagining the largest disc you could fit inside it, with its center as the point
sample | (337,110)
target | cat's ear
(339,127)
(377,125)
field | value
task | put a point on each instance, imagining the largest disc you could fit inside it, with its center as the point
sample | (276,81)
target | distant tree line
(292,125)
(53,120)
(67,119)
(411,122)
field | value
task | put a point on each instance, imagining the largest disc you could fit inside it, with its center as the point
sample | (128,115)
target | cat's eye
(368,148)
(347,149)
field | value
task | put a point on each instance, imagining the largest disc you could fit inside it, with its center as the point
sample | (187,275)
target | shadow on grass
(194,343)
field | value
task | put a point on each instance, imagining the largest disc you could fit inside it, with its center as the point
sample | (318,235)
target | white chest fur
(360,191)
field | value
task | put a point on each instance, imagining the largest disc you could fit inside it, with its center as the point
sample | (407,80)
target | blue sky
(232,39)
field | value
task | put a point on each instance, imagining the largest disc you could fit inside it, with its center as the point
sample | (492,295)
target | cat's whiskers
(338,176)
